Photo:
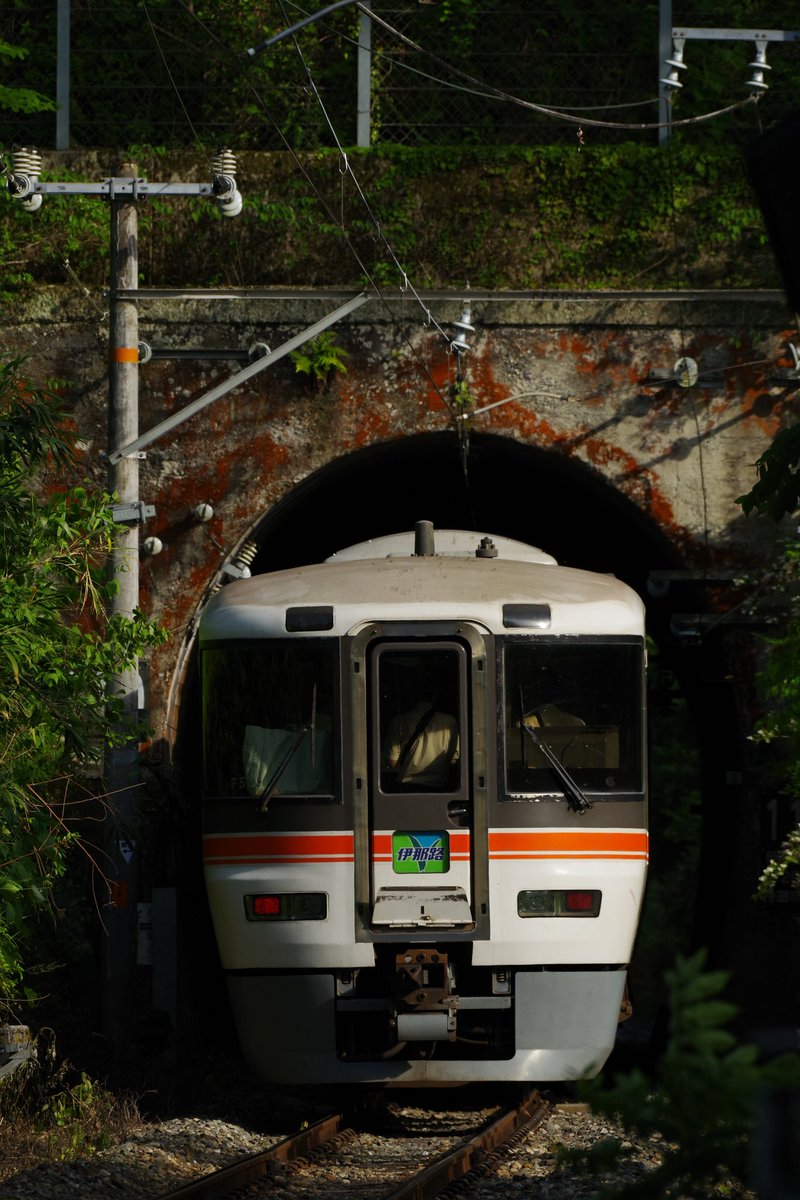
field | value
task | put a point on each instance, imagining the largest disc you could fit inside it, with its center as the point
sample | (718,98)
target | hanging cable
(234,231)
(544,110)
(346,169)
(487,90)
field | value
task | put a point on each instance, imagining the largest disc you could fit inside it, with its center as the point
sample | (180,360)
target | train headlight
(287,906)
(574,903)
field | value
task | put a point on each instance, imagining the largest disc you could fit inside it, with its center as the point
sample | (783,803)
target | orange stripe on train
(503,844)
(568,843)
(279,847)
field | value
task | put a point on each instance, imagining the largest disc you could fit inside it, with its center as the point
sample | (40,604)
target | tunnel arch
(539,496)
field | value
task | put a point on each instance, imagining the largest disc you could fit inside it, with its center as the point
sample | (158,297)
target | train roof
(449,543)
(384,581)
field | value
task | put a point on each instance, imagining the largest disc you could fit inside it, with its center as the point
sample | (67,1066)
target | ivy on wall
(508,218)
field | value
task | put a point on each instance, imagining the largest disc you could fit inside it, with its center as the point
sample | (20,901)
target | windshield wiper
(578,801)
(297,741)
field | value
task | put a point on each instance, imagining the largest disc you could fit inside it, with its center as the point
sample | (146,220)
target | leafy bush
(57,653)
(702,1105)
(319,358)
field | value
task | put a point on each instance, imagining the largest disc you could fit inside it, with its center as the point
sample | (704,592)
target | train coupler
(427,1005)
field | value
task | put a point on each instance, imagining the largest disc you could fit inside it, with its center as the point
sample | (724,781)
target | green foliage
(495,216)
(57,1112)
(20,99)
(464,400)
(777,490)
(57,652)
(785,861)
(566,56)
(701,1108)
(74,1119)
(777,494)
(319,358)
(778,723)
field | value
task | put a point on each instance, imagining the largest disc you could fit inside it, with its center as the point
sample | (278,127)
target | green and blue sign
(420,853)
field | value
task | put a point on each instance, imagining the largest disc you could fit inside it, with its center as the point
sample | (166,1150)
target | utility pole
(364,106)
(664,50)
(63,38)
(123,192)
(122,775)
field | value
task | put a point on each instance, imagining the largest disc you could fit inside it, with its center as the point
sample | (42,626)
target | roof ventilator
(424,545)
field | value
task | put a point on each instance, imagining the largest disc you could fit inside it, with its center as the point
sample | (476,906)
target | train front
(425,831)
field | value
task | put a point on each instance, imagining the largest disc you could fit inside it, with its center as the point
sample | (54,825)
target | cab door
(421,812)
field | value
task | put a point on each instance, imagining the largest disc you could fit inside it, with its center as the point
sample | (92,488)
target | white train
(425,820)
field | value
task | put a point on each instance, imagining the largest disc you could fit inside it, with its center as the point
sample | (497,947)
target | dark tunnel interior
(546,499)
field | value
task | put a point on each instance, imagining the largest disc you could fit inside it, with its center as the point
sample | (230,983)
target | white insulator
(759,66)
(224,163)
(247,553)
(26,160)
(26,165)
(232,203)
(203,511)
(756,83)
(676,65)
(686,372)
(152,545)
(459,342)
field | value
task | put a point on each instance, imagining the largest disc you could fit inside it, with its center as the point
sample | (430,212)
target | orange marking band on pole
(125,354)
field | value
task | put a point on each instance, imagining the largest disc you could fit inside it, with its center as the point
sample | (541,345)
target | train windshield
(420,724)
(584,700)
(268,719)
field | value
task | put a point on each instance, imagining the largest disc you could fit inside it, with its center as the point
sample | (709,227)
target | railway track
(402,1164)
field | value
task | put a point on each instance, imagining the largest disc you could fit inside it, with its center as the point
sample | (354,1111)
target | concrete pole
(62,74)
(120,914)
(664,52)
(363,112)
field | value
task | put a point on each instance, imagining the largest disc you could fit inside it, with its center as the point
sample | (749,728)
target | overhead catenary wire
(488,91)
(407,285)
(544,110)
(430,321)
(173,84)
(198,141)
(478,90)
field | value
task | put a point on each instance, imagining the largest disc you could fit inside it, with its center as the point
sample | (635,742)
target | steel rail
(257,1166)
(455,1164)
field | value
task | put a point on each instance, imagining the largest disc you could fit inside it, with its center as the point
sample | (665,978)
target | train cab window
(268,719)
(418,719)
(577,701)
